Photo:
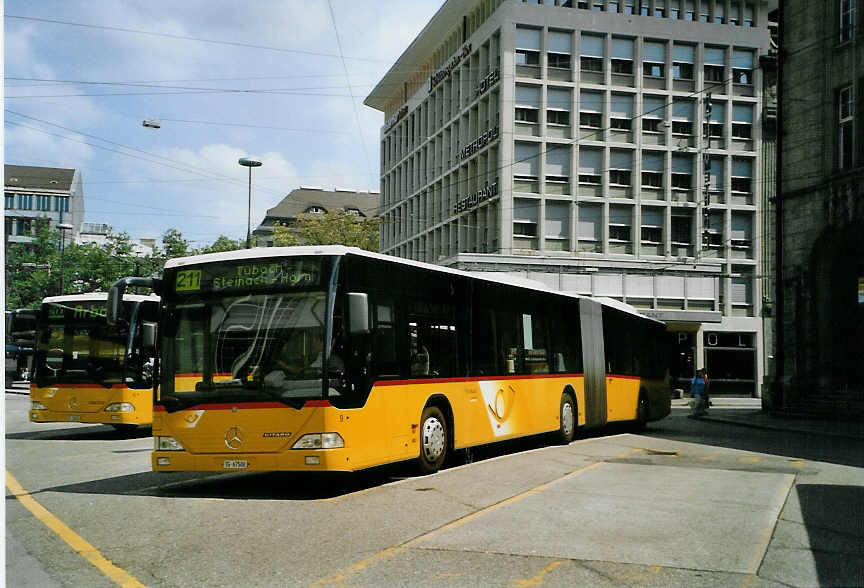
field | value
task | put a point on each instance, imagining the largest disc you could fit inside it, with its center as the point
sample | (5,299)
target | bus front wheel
(433,440)
(567,428)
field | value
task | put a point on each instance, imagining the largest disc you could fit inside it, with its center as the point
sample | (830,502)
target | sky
(282,81)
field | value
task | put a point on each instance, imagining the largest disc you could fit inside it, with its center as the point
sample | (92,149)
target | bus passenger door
(593,361)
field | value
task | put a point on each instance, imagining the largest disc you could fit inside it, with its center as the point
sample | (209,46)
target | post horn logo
(503,405)
(234,437)
(73,403)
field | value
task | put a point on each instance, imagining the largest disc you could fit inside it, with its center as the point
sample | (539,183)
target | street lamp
(63,228)
(250,163)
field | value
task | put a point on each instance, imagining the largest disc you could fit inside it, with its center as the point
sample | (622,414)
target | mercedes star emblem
(234,437)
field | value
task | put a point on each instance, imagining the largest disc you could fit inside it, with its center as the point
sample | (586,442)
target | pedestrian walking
(699,390)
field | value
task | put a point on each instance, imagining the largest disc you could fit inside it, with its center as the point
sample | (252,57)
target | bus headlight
(319,441)
(37,405)
(120,407)
(166,444)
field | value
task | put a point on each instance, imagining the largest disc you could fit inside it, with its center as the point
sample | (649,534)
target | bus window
(534,344)
(432,344)
(386,348)
(509,357)
(566,342)
(483,343)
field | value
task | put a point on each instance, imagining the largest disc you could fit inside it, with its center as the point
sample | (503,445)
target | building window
(525,174)
(741,236)
(654,59)
(25,227)
(682,171)
(25,202)
(717,120)
(675,9)
(749,11)
(527,103)
(652,170)
(558,106)
(622,56)
(652,226)
(846,128)
(719,13)
(742,121)
(704,11)
(620,223)
(735,14)
(847,20)
(682,116)
(590,109)
(620,167)
(742,175)
(621,114)
(9,201)
(558,47)
(644,7)
(653,113)
(315,210)
(525,229)
(742,67)
(689,10)
(628,6)
(527,46)
(681,229)
(713,233)
(590,166)
(591,53)
(683,57)
(557,167)
(715,64)
(659,8)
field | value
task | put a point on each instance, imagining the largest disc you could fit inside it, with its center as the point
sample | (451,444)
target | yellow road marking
(538,579)
(73,539)
(389,552)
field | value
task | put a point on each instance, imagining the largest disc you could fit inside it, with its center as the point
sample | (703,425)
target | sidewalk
(747,412)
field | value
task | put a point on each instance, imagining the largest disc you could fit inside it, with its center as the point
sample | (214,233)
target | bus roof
(97,296)
(341,250)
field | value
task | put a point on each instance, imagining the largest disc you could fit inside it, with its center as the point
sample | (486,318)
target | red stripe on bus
(316,403)
(93,386)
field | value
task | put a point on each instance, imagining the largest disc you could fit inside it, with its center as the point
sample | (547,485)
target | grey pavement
(747,412)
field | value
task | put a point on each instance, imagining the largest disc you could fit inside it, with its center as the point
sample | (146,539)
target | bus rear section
(88,372)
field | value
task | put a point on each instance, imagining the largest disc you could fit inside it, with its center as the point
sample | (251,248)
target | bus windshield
(250,348)
(77,346)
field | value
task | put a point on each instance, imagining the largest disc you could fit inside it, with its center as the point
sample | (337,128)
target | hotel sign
(478,143)
(444,73)
(481,195)
(490,80)
(400,114)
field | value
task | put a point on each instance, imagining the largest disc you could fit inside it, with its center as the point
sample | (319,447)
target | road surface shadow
(791,443)
(832,515)
(83,433)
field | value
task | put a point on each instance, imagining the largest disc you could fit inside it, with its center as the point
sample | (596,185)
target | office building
(32,192)
(609,148)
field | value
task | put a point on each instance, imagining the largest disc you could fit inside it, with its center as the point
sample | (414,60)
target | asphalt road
(688,503)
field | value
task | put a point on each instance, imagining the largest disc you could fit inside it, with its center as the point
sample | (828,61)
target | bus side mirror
(358,312)
(148,336)
(113,306)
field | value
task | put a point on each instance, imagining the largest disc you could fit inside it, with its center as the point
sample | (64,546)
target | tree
(223,243)
(339,228)
(32,269)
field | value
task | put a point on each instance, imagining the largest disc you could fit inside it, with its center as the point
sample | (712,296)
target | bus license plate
(235,464)
(75,418)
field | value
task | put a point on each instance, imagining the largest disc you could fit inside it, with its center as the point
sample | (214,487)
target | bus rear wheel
(433,440)
(567,428)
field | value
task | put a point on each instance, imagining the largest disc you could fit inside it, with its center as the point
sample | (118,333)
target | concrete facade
(571,143)
(821,208)
(32,192)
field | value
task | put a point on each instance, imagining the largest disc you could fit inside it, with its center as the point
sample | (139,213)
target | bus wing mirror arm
(114,315)
(358,312)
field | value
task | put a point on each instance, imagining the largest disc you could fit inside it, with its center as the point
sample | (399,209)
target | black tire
(124,427)
(642,413)
(567,419)
(433,440)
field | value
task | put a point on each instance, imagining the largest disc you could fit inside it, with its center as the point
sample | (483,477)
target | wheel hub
(567,418)
(433,439)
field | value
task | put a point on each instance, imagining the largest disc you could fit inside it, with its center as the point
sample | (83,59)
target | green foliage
(338,228)
(33,270)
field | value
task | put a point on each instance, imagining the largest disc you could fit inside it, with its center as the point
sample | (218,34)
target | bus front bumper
(295,460)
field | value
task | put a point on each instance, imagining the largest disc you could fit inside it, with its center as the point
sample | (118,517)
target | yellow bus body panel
(385,430)
(85,403)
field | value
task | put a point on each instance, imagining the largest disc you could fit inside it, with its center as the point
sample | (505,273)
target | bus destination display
(223,277)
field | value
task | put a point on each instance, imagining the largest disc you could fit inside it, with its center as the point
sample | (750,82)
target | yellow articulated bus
(88,372)
(334,358)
